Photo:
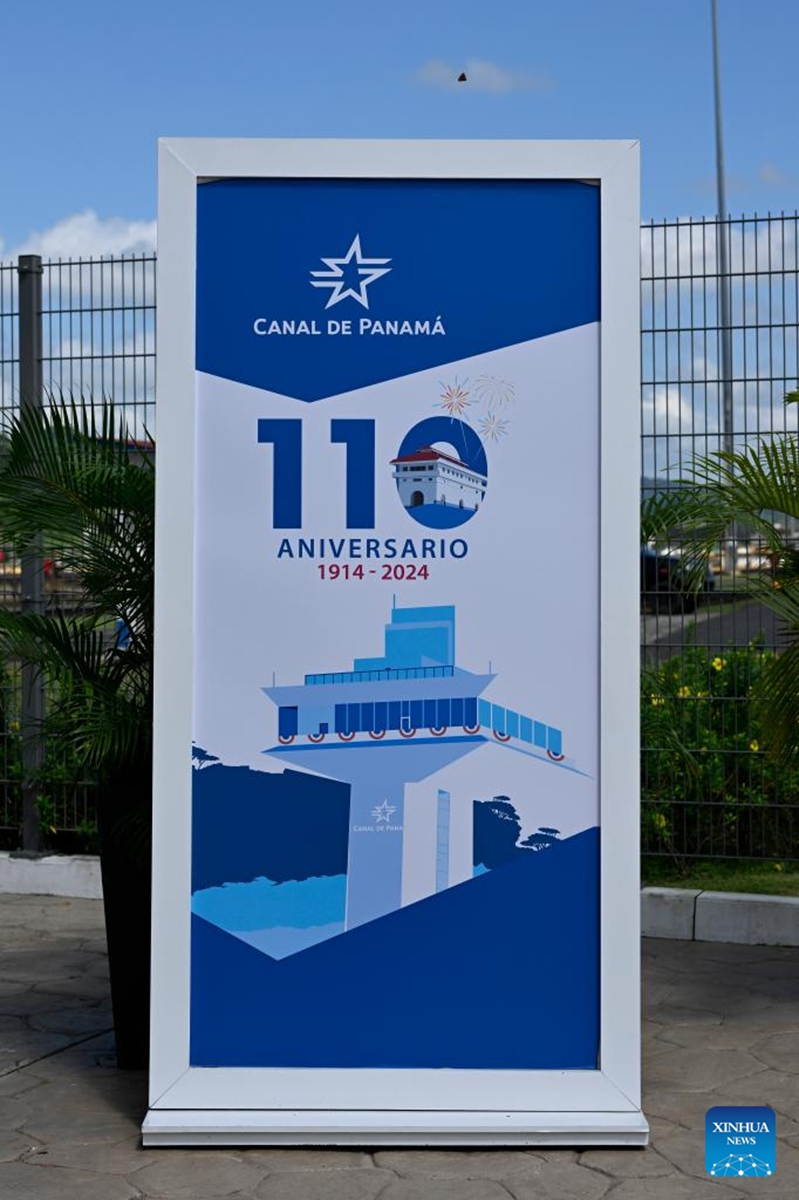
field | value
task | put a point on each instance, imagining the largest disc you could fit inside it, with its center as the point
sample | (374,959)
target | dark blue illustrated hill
(499,972)
(282,825)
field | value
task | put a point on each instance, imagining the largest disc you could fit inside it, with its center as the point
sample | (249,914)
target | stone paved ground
(721,1027)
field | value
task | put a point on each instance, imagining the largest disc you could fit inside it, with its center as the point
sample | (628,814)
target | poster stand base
(273,1127)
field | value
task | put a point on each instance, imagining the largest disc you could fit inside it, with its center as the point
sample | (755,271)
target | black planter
(124,817)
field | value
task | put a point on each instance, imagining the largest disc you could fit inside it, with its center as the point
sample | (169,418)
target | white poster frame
(266,1106)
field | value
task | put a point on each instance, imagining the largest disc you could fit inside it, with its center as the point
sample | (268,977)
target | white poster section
(396,693)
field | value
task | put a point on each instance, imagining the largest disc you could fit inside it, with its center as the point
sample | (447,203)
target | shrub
(707,784)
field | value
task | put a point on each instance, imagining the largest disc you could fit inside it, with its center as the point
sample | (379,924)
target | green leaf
(69,481)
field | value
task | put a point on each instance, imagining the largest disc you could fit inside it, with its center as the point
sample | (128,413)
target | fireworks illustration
(493,428)
(454,398)
(494,391)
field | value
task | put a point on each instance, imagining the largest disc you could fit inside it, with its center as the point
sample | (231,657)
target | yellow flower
(754,744)
(717,663)
(779,867)
(684,692)
(14,726)
(660,821)
(657,701)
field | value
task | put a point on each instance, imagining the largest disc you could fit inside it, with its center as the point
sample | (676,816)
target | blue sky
(89,86)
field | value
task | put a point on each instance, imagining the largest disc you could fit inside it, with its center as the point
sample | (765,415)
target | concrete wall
(52,875)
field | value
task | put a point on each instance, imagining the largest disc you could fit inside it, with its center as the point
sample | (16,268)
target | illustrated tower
(390,721)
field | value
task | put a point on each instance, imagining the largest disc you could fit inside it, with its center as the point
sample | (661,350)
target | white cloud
(674,249)
(667,411)
(85,235)
(770,173)
(481,76)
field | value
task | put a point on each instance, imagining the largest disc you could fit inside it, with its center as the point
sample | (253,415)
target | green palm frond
(664,734)
(69,487)
(778,696)
(751,488)
(756,488)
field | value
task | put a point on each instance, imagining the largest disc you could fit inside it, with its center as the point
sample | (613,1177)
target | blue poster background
(499,264)
(314,944)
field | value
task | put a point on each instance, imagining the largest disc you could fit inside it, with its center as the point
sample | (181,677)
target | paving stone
(20,938)
(64,1128)
(120,1158)
(10,1024)
(18,1083)
(109,1092)
(559,1181)
(718,995)
(81,1020)
(782,1015)
(13,1112)
(83,987)
(21,1181)
(653,994)
(676,1188)
(728,952)
(660,1127)
(351,1185)
(652,1048)
(9,987)
(429,1189)
(779,968)
(702,1037)
(27,1002)
(719,1028)
(626,1164)
(25,965)
(313,1159)
(681,1109)
(555,1154)
(457,1164)
(670,1013)
(780,1051)
(25,1046)
(95,1055)
(687,1153)
(196,1174)
(700,1070)
(95,945)
(14,1145)
(778,991)
(773,1088)
(22,910)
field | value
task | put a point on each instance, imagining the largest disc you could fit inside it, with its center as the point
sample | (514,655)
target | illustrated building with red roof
(430,476)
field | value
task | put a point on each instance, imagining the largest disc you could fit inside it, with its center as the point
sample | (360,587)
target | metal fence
(96,340)
(726,798)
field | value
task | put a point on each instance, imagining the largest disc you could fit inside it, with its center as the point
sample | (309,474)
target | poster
(395,733)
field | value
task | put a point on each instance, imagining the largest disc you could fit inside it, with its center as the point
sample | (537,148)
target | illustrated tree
(544,837)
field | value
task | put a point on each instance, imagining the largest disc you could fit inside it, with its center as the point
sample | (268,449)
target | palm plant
(756,488)
(69,487)
(68,483)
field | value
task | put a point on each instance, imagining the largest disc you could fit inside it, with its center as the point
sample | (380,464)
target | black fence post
(29,268)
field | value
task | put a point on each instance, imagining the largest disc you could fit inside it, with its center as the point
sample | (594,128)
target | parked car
(665,582)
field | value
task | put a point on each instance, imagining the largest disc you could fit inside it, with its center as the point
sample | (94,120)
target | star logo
(383,812)
(350,275)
